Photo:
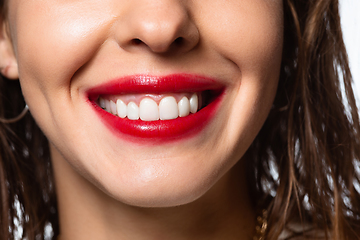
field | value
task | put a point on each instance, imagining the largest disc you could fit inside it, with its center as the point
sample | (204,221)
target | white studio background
(350,14)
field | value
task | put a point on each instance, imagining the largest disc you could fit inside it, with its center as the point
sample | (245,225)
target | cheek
(55,40)
(51,42)
(248,33)
(249,36)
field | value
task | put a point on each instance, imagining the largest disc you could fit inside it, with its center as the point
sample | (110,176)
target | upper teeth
(149,110)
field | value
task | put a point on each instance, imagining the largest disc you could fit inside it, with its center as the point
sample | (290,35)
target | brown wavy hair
(305,167)
(312,134)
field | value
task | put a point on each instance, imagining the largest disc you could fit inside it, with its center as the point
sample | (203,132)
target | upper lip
(143,83)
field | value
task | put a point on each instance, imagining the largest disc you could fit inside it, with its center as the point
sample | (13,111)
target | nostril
(136,41)
(179,41)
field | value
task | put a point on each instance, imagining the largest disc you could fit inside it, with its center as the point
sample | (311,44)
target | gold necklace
(261,226)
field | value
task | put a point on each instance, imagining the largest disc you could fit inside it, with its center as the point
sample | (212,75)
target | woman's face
(74,56)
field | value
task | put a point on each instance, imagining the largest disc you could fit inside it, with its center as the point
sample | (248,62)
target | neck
(85,212)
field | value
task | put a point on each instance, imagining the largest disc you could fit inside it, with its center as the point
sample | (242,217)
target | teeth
(194,103)
(148,110)
(184,107)
(102,103)
(168,108)
(132,111)
(107,106)
(113,107)
(121,108)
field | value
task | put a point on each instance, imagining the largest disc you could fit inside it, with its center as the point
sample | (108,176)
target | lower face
(77,59)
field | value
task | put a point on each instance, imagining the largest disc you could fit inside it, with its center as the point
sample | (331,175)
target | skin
(110,188)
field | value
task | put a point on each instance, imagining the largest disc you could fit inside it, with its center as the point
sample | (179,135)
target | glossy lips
(160,130)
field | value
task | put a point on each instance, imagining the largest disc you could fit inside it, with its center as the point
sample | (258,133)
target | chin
(168,190)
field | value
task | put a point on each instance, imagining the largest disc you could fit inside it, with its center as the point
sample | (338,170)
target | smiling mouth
(150,107)
(162,108)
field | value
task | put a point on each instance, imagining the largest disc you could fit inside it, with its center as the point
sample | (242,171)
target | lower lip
(161,130)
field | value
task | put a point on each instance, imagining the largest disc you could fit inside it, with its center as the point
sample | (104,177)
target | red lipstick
(160,130)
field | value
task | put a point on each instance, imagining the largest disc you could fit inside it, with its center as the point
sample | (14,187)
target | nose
(160,26)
